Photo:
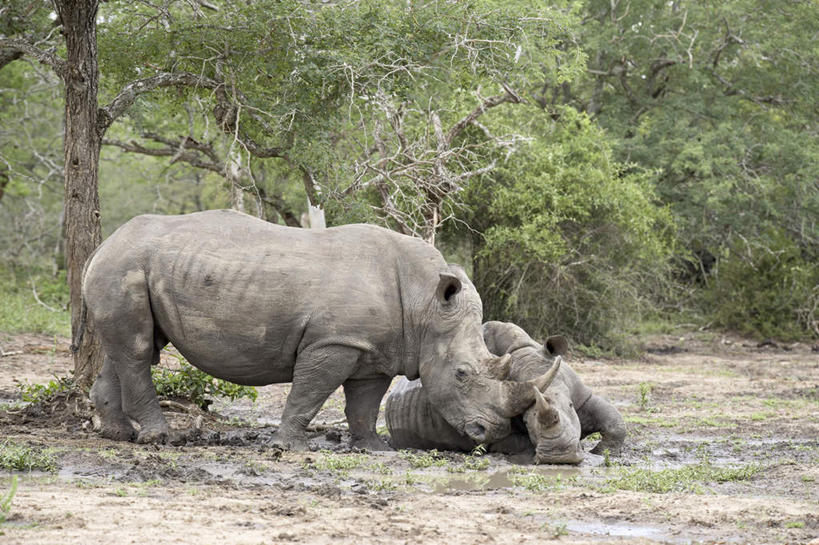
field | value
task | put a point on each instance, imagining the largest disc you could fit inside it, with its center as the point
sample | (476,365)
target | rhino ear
(448,287)
(556,345)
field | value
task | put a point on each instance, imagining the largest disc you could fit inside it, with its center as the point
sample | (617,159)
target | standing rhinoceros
(256,303)
(564,412)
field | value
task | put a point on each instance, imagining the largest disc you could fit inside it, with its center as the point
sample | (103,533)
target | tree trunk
(82,151)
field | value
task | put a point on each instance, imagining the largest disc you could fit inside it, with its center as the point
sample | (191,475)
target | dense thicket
(589,162)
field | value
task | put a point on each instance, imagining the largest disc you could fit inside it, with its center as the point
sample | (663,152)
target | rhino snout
(568,457)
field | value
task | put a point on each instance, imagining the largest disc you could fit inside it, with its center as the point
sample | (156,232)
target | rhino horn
(543,381)
(499,367)
(516,397)
(546,414)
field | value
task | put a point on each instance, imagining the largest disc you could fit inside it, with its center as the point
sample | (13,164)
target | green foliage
(421,460)
(5,500)
(572,240)
(16,457)
(43,393)
(766,290)
(719,99)
(188,382)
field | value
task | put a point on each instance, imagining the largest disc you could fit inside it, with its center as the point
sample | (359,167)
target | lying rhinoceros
(565,409)
(256,303)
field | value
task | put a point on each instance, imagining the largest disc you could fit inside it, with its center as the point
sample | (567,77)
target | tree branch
(109,113)
(9,47)
(191,158)
(508,96)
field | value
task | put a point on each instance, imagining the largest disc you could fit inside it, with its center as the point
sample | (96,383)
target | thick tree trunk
(82,150)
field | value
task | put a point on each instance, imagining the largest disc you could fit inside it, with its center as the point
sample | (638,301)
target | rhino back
(240,297)
(414,423)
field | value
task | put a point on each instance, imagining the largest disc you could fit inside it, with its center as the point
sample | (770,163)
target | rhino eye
(461,373)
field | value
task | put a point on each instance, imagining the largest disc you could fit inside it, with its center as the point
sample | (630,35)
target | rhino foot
(288,442)
(370,443)
(118,432)
(153,436)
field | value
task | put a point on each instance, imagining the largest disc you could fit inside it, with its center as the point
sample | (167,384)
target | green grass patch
(5,500)
(336,463)
(689,478)
(22,313)
(25,458)
(36,393)
(662,422)
(425,459)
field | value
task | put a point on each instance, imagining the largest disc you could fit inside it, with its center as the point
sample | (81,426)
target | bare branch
(109,113)
(191,158)
(11,46)
(508,96)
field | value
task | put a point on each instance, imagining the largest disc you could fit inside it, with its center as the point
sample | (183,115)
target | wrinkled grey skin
(554,425)
(568,410)
(256,303)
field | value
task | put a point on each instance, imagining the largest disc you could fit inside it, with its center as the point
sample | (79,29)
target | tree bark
(82,149)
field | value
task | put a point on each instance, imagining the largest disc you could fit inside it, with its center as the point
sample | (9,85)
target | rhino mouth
(574,456)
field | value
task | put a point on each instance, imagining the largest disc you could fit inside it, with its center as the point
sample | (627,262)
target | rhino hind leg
(363,402)
(123,319)
(106,394)
(317,374)
(598,415)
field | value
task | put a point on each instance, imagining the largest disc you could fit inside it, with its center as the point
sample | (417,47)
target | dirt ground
(723,447)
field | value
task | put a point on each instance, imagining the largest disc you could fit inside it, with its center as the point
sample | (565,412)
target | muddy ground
(723,448)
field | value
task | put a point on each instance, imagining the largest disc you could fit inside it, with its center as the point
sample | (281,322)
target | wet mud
(723,447)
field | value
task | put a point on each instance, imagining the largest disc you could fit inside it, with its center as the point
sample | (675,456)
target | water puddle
(623,529)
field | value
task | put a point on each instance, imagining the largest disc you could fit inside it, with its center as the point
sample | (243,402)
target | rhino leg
(597,414)
(106,394)
(363,402)
(317,374)
(125,324)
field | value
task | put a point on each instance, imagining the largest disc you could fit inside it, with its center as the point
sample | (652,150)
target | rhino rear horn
(499,367)
(543,381)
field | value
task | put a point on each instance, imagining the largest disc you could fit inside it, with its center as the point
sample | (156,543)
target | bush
(188,382)
(769,290)
(572,241)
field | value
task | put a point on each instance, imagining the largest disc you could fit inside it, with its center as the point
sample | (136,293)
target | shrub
(571,240)
(188,382)
(766,290)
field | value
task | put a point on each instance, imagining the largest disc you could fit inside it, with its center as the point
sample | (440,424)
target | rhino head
(551,421)
(461,376)
(553,425)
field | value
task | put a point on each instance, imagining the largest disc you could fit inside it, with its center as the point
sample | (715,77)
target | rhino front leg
(106,394)
(363,402)
(317,374)
(597,414)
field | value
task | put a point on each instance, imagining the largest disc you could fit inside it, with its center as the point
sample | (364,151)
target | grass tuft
(16,457)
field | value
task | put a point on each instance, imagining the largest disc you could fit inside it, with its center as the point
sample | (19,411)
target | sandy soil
(697,407)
